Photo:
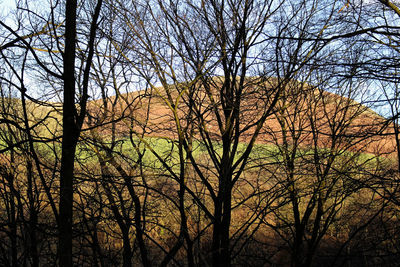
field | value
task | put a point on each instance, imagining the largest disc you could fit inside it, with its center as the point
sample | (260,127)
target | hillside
(311,162)
(302,115)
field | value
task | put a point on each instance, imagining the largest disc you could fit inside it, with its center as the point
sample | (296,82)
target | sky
(5,7)
(6,4)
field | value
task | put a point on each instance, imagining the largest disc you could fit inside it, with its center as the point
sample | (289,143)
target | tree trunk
(69,139)
(33,217)
(127,249)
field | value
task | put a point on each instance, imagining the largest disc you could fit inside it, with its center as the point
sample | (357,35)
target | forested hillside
(199,133)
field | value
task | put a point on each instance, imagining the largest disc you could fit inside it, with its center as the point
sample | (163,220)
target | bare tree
(213,132)
(210,63)
(42,36)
